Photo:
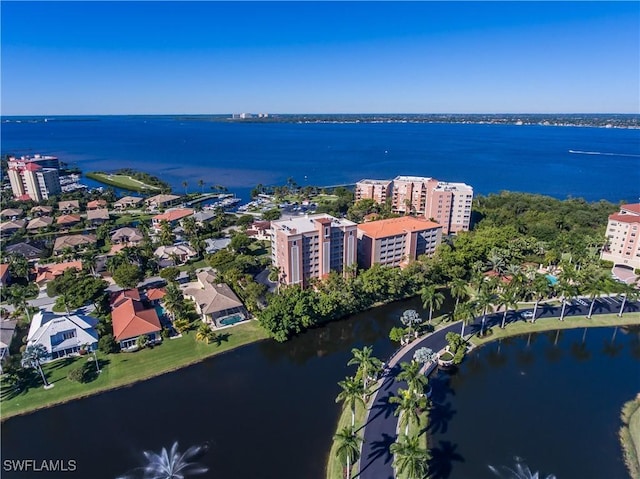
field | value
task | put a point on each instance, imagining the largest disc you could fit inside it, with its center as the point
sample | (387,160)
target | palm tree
(458,288)
(508,299)
(184,185)
(368,365)
(465,312)
(19,266)
(351,394)
(348,450)
(541,289)
(594,288)
(32,358)
(201,185)
(416,381)
(205,333)
(410,459)
(485,302)
(567,291)
(628,292)
(18,299)
(166,235)
(173,300)
(408,404)
(431,298)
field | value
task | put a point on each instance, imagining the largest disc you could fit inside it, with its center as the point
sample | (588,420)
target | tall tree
(410,459)
(458,288)
(368,365)
(351,394)
(201,185)
(486,300)
(431,298)
(540,288)
(32,358)
(348,450)
(416,381)
(408,406)
(466,313)
(629,292)
(509,299)
(184,185)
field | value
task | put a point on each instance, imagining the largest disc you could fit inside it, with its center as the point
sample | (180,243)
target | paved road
(376,462)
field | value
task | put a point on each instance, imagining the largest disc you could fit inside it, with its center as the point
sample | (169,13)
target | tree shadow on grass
(222,338)
(23,382)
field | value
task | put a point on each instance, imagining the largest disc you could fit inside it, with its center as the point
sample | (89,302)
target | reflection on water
(547,397)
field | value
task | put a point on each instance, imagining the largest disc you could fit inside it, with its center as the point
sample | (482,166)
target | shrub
(76,375)
(107,344)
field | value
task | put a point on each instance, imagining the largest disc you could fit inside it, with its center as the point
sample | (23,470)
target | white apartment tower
(31,181)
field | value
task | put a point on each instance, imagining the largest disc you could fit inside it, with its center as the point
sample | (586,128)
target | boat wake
(578,152)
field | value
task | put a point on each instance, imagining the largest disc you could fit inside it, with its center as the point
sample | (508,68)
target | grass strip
(630,436)
(334,467)
(123,369)
(124,182)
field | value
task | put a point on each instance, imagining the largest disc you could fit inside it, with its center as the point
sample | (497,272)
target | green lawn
(125,368)
(122,181)
(334,468)
(550,324)
(129,218)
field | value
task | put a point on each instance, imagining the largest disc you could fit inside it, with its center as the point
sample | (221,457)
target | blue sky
(324,57)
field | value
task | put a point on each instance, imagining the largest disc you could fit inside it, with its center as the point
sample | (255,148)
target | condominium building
(378,190)
(623,228)
(448,204)
(30,180)
(312,246)
(396,241)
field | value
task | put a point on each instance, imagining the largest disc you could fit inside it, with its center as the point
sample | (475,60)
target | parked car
(527,314)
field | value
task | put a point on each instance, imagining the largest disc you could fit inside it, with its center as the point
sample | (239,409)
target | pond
(550,400)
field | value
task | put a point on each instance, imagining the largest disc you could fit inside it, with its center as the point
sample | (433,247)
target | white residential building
(63,335)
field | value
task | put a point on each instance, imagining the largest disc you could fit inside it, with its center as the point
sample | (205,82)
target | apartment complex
(448,204)
(34,178)
(312,246)
(396,241)
(623,246)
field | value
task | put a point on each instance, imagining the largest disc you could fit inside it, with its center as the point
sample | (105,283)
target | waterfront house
(97,216)
(63,336)
(203,216)
(161,201)
(172,217)
(130,320)
(174,254)
(7,330)
(41,210)
(27,250)
(68,220)
(127,236)
(47,272)
(127,202)
(39,223)
(396,241)
(10,227)
(75,242)
(70,206)
(215,302)
(96,205)
(11,213)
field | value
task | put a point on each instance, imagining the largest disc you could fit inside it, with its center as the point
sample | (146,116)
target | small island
(131,180)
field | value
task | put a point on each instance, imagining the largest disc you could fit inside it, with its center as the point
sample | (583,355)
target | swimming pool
(160,311)
(236,318)
(552,279)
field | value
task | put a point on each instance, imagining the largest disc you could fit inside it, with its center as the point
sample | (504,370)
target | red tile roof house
(5,277)
(48,272)
(130,320)
(96,204)
(171,216)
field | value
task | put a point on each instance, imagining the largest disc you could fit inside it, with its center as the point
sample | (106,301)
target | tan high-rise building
(30,181)
(378,190)
(312,246)
(396,241)
(623,229)
(448,204)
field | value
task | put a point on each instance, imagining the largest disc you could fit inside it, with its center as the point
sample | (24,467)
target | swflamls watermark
(39,465)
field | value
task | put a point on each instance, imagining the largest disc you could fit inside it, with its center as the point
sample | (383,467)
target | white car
(527,314)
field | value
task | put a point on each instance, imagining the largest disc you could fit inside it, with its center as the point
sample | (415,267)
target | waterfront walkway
(376,462)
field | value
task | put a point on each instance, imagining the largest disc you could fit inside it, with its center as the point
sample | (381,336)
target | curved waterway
(265,411)
(549,400)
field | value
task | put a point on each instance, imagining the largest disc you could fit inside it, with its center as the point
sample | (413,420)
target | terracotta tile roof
(130,320)
(9,212)
(71,204)
(396,226)
(42,209)
(12,225)
(624,218)
(68,219)
(96,204)
(41,222)
(173,215)
(156,293)
(120,296)
(98,214)
(4,271)
(47,272)
(633,208)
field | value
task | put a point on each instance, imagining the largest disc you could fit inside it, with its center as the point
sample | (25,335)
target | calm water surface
(552,399)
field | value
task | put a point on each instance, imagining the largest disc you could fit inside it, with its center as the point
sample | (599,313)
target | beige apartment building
(31,181)
(623,246)
(396,241)
(378,190)
(448,204)
(311,246)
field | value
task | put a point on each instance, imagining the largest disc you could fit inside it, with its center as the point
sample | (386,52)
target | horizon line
(319,113)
